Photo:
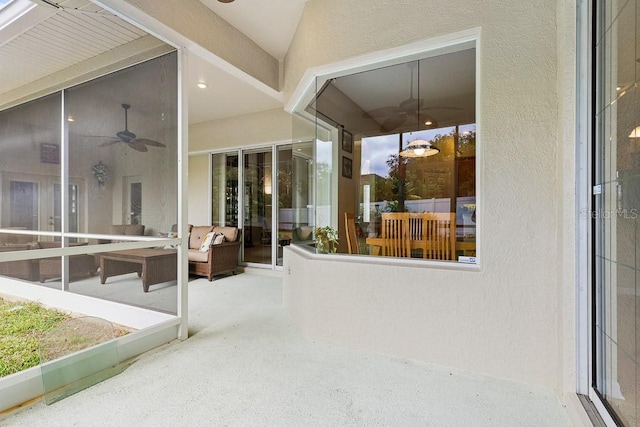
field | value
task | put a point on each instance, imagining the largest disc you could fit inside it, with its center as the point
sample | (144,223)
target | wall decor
(347,141)
(50,153)
(347,167)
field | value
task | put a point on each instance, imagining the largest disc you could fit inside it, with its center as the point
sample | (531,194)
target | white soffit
(271,24)
(58,39)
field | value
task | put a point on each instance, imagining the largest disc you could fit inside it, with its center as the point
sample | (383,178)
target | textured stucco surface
(503,320)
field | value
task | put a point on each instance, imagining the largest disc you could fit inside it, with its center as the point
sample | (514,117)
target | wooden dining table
(376,244)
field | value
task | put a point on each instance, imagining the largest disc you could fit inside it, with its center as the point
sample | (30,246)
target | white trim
(583,277)
(183,190)
(388,261)
(602,410)
(20,16)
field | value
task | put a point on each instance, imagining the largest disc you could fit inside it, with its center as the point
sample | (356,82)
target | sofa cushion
(218,238)
(206,242)
(198,233)
(230,233)
(195,255)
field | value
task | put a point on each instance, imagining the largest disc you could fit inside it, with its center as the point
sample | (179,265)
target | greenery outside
(21,326)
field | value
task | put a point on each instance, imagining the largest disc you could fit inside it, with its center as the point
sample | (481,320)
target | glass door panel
(302,202)
(617,223)
(294,184)
(224,189)
(257,206)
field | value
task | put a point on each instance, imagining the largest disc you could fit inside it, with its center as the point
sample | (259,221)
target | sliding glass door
(616,211)
(266,191)
(258,205)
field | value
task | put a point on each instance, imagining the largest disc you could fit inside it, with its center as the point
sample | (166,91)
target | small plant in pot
(326,240)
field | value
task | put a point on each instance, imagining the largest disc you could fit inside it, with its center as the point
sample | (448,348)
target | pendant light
(420,147)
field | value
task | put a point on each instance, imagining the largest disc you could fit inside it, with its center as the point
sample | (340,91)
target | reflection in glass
(30,164)
(122,179)
(224,189)
(257,208)
(385,110)
(617,231)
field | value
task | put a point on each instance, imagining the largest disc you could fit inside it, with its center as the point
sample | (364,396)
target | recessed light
(225,1)
(71,119)
(202,85)
(618,88)
(428,123)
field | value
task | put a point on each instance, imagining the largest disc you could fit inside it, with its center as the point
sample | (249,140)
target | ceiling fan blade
(107,143)
(137,145)
(150,142)
(411,105)
(393,122)
(381,112)
(436,107)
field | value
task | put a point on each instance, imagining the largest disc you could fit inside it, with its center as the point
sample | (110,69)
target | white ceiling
(49,40)
(271,24)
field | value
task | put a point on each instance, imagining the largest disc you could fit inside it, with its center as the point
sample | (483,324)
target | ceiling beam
(190,24)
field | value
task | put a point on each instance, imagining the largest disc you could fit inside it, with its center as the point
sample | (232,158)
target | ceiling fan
(395,116)
(129,138)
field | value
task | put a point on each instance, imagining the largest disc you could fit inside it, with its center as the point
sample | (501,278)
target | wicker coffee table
(152,265)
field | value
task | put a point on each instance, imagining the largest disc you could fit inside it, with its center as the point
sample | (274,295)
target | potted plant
(326,240)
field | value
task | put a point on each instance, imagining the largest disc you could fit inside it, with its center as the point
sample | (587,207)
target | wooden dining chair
(439,236)
(395,234)
(352,237)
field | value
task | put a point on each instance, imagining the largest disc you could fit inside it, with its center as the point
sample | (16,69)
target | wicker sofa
(80,266)
(218,258)
(41,269)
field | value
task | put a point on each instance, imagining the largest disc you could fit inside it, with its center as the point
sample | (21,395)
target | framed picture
(347,141)
(347,167)
(50,153)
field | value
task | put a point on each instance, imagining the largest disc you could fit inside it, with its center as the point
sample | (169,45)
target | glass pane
(224,189)
(257,208)
(406,143)
(302,202)
(286,174)
(30,165)
(617,170)
(64,376)
(123,171)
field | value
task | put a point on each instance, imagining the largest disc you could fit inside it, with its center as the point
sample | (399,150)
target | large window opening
(399,172)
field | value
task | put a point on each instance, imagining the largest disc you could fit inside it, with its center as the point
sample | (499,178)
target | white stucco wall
(507,318)
(264,127)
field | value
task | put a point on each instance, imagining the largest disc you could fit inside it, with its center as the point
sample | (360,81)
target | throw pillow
(218,239)
(206,242)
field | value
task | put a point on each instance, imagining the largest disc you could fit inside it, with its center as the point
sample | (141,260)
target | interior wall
(264,127)
(198,200)
(504,318)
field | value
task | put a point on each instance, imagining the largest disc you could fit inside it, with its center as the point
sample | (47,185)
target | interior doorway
(132,200)
(35,203)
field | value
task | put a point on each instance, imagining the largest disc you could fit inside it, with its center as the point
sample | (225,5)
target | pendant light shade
(419,148)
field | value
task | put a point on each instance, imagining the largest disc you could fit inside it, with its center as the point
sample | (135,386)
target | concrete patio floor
(245,364)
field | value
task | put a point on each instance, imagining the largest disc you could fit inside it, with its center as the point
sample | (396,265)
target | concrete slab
(245,364)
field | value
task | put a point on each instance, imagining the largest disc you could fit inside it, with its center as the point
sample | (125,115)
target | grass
(21,326)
